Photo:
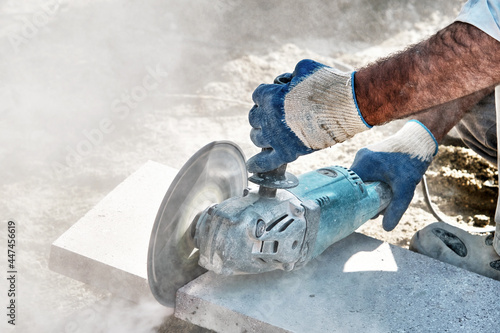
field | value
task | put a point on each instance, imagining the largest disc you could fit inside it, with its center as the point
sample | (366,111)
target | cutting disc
(215,173)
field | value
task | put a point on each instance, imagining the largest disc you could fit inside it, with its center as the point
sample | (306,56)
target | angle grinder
(210,220)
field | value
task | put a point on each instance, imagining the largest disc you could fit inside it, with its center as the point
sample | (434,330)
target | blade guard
(215,173)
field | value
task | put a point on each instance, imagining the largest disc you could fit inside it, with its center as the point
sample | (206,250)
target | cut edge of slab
(201,313)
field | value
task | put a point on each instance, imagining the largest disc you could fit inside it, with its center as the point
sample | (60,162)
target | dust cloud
(91,90)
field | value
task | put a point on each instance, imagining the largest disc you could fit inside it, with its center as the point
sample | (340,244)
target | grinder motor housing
(258,232)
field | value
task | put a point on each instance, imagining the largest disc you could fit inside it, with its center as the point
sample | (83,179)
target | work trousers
(478,130)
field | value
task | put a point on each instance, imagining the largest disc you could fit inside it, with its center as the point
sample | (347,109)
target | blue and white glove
(399,161)
(316,109)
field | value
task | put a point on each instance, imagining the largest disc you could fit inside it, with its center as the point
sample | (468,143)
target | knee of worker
(478,129)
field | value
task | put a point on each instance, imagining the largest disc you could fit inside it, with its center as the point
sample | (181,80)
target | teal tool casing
(337,202)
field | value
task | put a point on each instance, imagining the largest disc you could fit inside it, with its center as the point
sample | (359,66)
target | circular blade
(215,173)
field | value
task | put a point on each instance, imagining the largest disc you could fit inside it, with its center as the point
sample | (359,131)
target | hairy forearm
(440,119)
(456,62)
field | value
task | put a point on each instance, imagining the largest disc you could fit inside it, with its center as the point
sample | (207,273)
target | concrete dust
(80,68)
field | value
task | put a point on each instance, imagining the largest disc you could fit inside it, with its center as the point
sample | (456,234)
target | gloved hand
(399,161)
(316,109)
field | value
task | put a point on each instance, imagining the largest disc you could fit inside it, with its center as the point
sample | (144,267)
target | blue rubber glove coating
(401,172)
(269,127)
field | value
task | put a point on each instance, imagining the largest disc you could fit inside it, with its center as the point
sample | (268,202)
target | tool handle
(341,203)
(383,192)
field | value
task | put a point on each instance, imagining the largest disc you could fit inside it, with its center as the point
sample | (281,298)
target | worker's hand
(399,161)
(315,108)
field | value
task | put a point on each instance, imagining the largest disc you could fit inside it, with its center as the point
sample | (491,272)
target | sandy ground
(91,90)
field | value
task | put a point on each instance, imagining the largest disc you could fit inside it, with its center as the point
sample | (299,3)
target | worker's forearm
(440,119)
(458,61)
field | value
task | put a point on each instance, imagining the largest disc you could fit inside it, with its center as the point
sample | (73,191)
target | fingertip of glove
(265,93)
(257,93)
(389,224)
(306,67)
(252,166)
(258,139)
(264,161)
(392,215)
(257,164)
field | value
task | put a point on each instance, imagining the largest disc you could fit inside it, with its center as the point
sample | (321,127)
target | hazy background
(76,117)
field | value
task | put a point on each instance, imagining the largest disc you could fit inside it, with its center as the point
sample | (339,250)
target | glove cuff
(413,139)
(326,99)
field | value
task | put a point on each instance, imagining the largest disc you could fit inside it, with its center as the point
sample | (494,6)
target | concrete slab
(108,247)
(359,284)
